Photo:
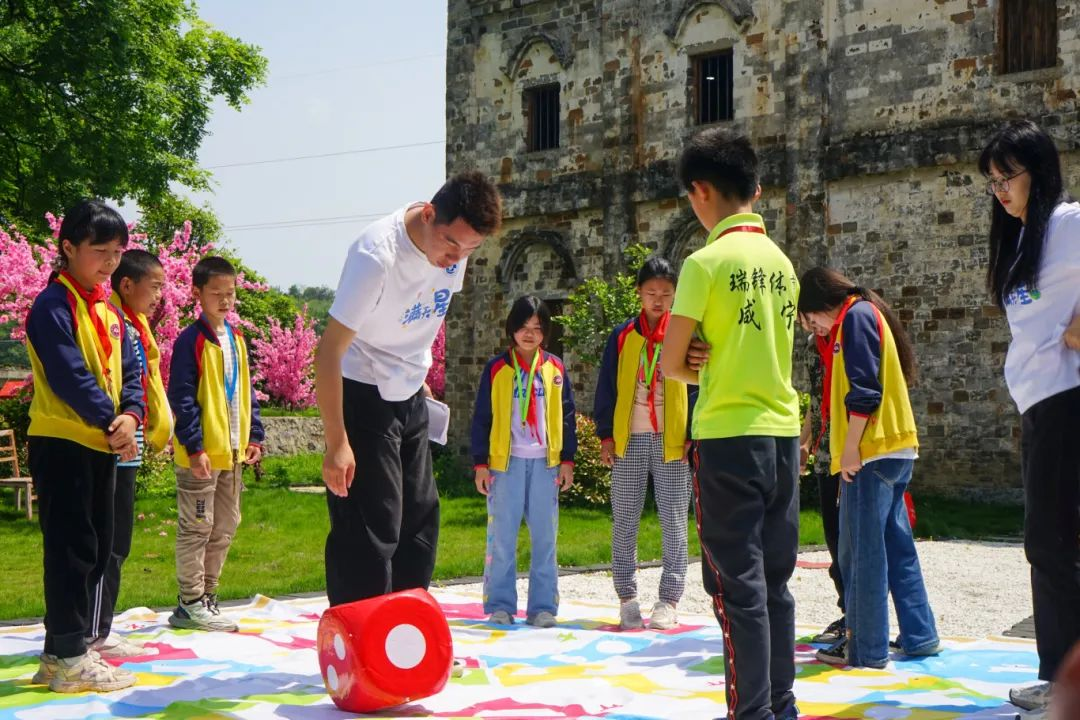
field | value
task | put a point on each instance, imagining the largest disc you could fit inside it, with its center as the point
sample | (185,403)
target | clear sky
(343,75)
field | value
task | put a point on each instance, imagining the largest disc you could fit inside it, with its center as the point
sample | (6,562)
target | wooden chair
(10,456)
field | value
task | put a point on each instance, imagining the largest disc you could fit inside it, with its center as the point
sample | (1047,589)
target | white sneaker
(88,673)
(1032,697)
(630,616)
(501,617)
(119,647)
(197,615)
(663,616)
(46,669)
(47,666)
(542,619)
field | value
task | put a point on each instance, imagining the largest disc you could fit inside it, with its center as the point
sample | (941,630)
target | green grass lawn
(267,411)
(279,548)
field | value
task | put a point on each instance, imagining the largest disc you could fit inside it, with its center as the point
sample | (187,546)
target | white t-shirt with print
(1038,364)
(228,364)
(395,300)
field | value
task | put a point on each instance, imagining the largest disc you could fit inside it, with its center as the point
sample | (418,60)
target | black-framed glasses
(995,186)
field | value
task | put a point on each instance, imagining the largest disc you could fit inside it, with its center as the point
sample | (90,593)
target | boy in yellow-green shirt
(740,293)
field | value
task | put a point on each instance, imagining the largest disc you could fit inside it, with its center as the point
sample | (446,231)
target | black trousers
(747,504)
(828,490)
(1050,464)
(74,485)
(384,533)
(104,595)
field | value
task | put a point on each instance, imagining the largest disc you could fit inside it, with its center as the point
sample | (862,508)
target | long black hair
(1021,145)
(823,289)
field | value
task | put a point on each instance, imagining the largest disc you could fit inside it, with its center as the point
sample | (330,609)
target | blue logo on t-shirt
(440,303)
(452,269)
(1022,296)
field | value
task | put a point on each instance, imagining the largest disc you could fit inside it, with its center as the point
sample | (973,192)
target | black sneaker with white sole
(832,634)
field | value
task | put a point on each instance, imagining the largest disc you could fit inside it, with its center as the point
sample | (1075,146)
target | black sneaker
(835,654)
(895,644)
(832,634)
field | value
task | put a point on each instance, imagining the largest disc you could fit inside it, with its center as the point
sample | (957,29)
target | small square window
(542,117)
(714,80)
(1027,35)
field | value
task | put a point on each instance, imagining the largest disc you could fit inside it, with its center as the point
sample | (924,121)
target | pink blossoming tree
(286,370)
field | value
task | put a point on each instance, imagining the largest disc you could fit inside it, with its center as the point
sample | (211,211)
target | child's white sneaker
(88,673)
(630,616)
(46,669)
(197,615)
(1032,697)
(663,616)
(542,619)
(119,648)
(47,665)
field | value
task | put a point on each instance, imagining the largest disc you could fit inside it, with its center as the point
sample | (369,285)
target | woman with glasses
(1034,277)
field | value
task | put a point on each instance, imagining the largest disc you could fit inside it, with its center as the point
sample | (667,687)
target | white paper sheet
(438,420)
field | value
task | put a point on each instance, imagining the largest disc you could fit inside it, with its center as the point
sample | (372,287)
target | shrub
(592,479)
(452,478)
(156,477)
(598,305)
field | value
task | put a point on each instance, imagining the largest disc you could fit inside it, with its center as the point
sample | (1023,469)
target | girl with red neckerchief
(869,364)
(642,419)
(523,444)
(88,403)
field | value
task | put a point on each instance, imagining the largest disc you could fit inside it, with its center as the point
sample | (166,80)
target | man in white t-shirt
(370,366)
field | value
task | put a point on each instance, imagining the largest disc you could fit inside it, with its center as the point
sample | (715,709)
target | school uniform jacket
(80,386)
(867,381)
(495,409)
(613,405)
(159,421)
(197,397)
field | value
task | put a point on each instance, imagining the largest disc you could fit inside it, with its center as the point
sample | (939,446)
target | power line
(326,155)
(346,68)
(307,222)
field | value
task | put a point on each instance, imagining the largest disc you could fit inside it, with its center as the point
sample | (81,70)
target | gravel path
(977,589)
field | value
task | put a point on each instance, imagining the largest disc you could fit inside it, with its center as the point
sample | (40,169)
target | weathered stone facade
(868,116)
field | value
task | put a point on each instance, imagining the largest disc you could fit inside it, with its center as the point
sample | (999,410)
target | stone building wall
(868,116)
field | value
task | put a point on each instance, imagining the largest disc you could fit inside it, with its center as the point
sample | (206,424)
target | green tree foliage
(258,307)
(318,301)
(166,215)
(598,305)
(109,98)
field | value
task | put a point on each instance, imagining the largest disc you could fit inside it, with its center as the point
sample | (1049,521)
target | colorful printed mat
(584,668)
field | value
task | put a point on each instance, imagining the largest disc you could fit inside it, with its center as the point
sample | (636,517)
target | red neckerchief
(144,338)
(654,341)
(827,349)
(531,419)
(92,298)
(142,329)
(742,228)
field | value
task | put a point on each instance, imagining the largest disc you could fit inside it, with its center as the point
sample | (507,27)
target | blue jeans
(877,556)
(526,488)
